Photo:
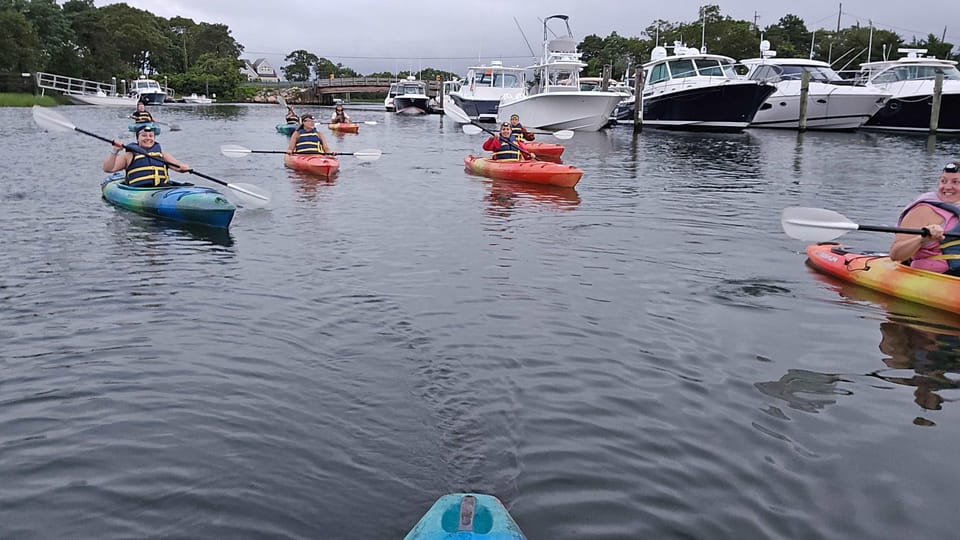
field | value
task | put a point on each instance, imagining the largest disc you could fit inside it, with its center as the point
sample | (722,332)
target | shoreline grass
(25,100)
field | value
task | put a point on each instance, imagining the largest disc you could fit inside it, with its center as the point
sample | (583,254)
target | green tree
(19,44)
(52,27)
(300,65)
(789,37)
(136,34)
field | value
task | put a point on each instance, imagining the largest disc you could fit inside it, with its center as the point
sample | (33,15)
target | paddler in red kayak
(306,139)
(144,168)
(505,146)
(339,117)
(518,129)
(937,211)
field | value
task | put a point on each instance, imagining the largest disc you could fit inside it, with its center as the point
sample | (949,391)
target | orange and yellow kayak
(533,171)
(318,164)
(876,271)
(345,127)
(545,150)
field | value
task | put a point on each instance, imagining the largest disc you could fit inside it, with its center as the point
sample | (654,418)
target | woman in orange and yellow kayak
(936,211)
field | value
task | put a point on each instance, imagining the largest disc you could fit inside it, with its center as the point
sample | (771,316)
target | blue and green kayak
(185,203)
(156,128)
(466,516)
(287,129)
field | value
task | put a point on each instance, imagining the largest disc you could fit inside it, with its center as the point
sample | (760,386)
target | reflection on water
(506,195)
(930,354)
(915,337)
(309,186)
(131,229)
(801,388)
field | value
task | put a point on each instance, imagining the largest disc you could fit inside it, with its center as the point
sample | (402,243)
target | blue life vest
(308,142)
(147,170)
(950,246)
(141,117)
(508,148)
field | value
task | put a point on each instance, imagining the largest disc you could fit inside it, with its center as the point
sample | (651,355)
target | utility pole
(839,13)
(755,17)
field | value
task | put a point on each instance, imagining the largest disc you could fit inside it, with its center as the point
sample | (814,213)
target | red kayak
(318,164)
(545,150)
(345,127)
(533,171)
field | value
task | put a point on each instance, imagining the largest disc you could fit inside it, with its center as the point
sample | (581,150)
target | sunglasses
(950,167)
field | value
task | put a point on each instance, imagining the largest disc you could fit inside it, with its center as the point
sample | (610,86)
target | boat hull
(532,171)
(316,164)
(411,105)
(876,271)
(729,106)
(133,127)
(102,100)
(578,111)
(829,107)
(345,127)
(477,109)
(910,108)
(183,203)
(466,516)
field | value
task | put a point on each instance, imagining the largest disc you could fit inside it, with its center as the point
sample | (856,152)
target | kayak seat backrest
(482,518)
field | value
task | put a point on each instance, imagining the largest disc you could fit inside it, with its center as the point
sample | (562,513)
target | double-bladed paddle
(822,225)
(473,129)
(235,150)
(53,121)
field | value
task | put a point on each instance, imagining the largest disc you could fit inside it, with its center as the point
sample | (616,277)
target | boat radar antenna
(532,54)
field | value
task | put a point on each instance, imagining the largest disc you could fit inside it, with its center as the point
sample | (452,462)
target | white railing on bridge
(72,85)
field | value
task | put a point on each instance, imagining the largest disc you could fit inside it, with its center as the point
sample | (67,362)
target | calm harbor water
(644,356)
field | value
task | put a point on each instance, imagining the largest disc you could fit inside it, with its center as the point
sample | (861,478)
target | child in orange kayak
(339,117)
(518,129)
(505,146)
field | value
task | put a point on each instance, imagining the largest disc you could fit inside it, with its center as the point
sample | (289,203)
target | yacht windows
(766,73)
(682,68)
(658,73)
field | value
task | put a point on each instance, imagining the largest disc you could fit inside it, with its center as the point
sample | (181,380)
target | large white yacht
(693,90)
(479,93)
(911,82)
(832,103)
(554,101)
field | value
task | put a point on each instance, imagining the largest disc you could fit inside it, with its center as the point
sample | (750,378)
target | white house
(259,70)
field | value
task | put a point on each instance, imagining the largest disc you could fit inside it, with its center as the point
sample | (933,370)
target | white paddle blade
(471,129)
(252,196)
(815,224)
(563,134)
(281,101)
(456,113)
(368,155)
(370,122)
(234,150)
(50,120)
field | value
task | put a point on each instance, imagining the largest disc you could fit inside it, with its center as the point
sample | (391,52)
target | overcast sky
(393,35)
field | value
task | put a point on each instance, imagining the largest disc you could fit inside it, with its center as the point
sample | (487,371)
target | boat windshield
(412,89)
(712,67)
(499,80)
(914,73)
(775,73)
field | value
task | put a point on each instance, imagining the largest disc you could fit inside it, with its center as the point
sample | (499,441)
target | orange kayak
(876,271)
(533,171)
(345,127)
(546,150)
(318,164)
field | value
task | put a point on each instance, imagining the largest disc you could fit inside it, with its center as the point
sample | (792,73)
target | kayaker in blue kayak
(141,116)
(292,117)
(505,146)
(144,168)
(306,139)
(937,211)
(518,129)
